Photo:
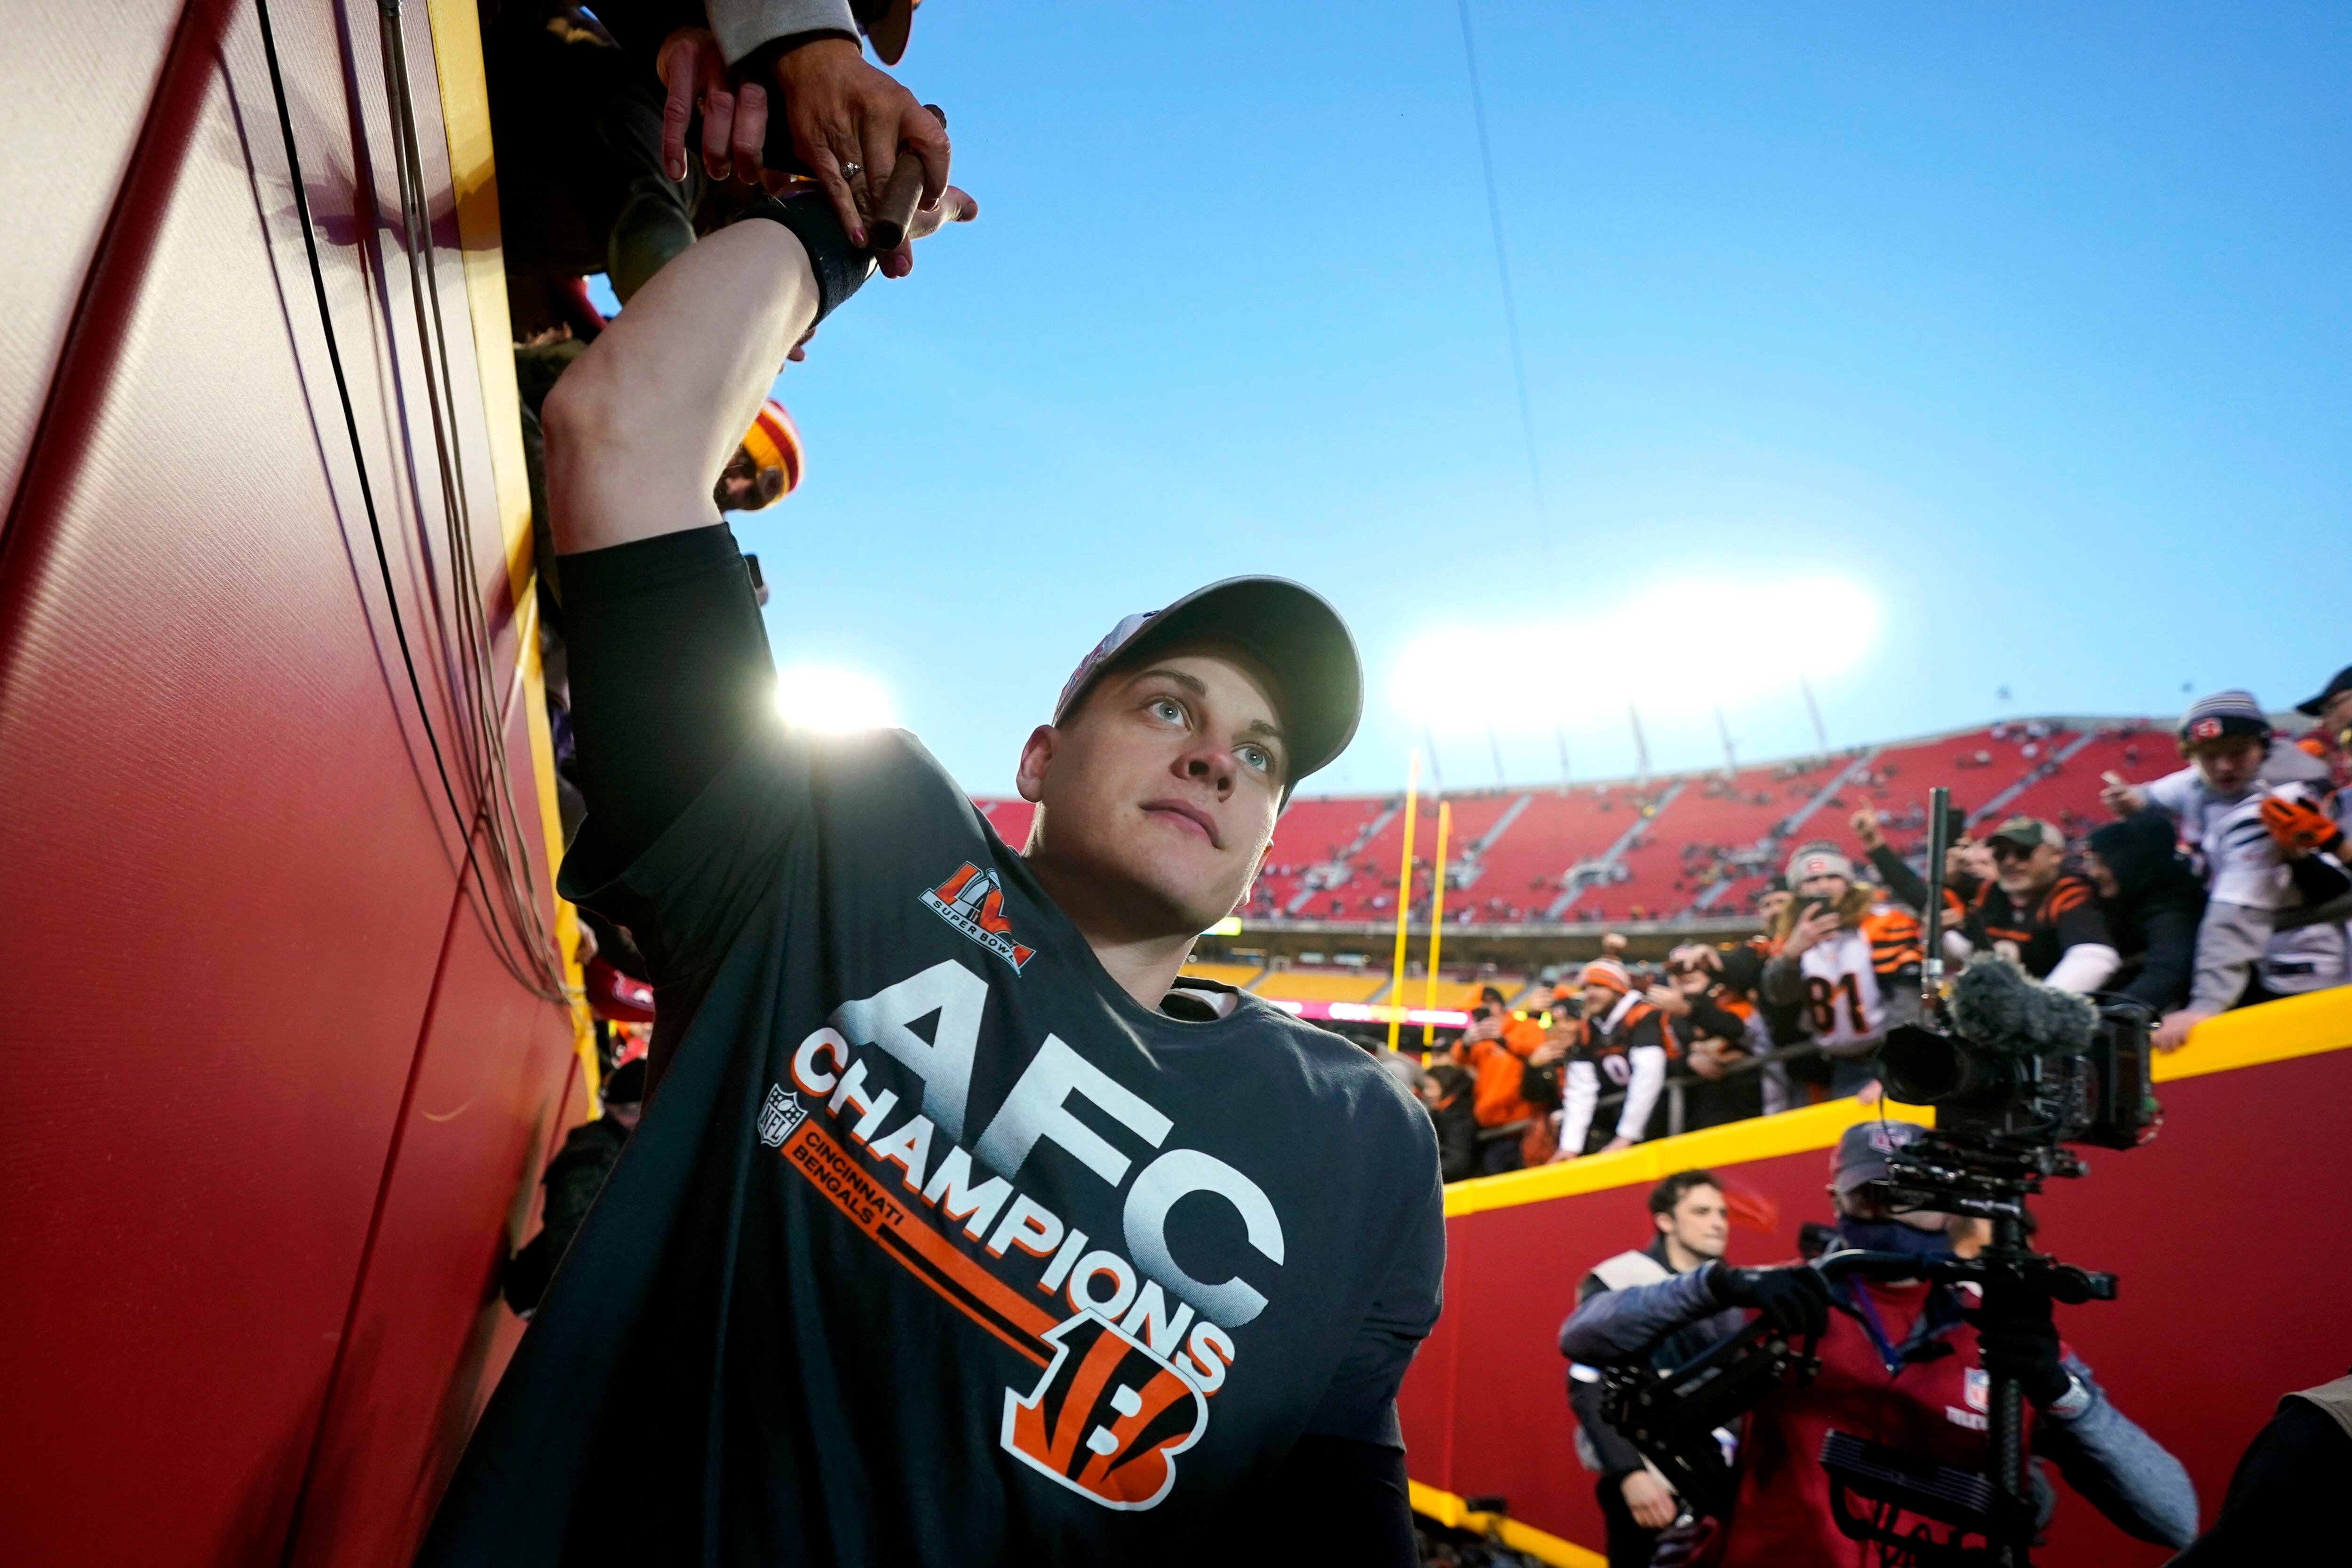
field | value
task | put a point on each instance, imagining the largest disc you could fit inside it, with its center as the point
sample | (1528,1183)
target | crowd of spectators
(2215,886)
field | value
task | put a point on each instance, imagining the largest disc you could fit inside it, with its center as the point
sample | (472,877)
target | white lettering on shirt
(909,1147)
(1028,1224)
(1178,1173)
(944,1064)
(1209,1352)
(1038,1107)
(812,1079)
(951,1189)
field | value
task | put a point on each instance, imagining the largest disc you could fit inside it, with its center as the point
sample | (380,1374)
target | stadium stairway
(1637,834)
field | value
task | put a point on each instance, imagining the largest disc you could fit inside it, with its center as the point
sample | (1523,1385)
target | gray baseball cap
(1861,1155)
(2026,832)
(1291,629)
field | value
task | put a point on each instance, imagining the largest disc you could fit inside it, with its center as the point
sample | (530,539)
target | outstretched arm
(670,671)
(638,430)
(1621,1325)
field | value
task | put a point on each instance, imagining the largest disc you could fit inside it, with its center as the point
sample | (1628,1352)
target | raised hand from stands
(1795,1298)
(842,110)
(2120,798)
(694,70)
(849,121)
(1866,831)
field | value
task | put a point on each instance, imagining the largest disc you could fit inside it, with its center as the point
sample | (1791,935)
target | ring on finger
(851,168)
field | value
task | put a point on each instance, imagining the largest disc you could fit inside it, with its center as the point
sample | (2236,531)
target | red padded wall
(276,1110)
(2232,1295)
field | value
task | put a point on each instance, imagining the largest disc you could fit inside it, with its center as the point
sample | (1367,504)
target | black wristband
(840,266)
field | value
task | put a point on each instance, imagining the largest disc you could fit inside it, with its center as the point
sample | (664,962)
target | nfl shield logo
(1978,1389)
(779,1114)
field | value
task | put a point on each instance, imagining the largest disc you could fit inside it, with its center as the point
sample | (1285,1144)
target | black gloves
(2015,1338)
(1795,1299)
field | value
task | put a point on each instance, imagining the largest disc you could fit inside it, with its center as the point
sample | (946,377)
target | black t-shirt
(934,1246)
(2042,925)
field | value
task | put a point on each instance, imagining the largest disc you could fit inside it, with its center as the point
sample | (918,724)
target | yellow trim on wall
(2250,1037)
(474,182)
(1758,1138)
(2275,1032)
(1448,1510)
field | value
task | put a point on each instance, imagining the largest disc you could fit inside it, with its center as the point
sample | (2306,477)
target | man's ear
(1036,756)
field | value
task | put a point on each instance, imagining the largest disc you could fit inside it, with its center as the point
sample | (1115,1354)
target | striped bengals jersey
(1849,975)
(2040,925)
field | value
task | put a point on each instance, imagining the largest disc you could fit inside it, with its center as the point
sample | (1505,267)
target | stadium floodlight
(828,697)
(1646,648)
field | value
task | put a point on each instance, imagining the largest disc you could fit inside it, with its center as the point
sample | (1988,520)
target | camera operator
(2039,915)
(1848,960)
(1622,1037)
(2246,952)
(1906,1364)
(1690,1225)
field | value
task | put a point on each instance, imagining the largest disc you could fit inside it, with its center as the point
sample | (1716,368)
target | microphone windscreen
(1997,1007)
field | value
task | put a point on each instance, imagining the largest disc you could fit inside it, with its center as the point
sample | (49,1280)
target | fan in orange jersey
(1848,960)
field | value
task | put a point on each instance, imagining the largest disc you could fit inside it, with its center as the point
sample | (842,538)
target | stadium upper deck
(1677,847)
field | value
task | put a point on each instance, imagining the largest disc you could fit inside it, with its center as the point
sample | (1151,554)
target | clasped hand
(850,122)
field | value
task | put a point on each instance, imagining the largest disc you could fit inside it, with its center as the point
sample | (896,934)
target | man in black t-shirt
(2035,911)
(958,1229)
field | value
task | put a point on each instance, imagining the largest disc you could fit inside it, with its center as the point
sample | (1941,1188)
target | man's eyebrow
(1192,684)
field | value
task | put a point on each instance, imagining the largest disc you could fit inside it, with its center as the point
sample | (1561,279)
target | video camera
(2024,1068)
(2016,1070)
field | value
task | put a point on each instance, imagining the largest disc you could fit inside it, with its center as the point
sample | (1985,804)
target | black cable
(359,456)
(473,656)
(1510,303)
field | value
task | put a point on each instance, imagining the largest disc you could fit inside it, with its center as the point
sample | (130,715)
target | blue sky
(2022,329)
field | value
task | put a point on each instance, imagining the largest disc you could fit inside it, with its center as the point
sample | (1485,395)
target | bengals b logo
(1108,1416)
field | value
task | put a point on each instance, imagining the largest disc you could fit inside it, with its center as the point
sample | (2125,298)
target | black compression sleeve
(670,673)
(1333,1499)
(840,267)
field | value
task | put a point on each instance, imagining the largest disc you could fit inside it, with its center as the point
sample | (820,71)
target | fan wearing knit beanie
(2251,944)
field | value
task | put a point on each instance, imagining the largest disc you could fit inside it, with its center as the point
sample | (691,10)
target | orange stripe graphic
(877,1207)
